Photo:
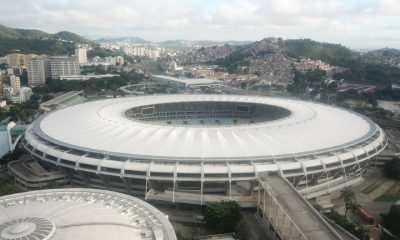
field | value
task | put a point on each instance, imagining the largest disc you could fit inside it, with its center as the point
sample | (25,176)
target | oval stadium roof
(101,126)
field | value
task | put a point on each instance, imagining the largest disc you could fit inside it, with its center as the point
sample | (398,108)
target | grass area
(391,195)
(7,185)
(370,188)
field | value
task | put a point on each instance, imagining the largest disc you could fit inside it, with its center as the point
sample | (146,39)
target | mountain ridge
(35,34)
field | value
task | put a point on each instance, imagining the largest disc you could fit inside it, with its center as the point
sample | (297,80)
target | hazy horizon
(357,24)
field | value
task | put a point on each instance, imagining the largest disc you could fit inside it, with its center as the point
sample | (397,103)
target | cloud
(342,21)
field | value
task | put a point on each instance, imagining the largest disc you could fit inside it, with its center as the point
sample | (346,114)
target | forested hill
(39,42)
(358,67)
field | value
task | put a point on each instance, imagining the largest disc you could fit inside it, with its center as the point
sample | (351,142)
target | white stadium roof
(101,126)
(80,214)
(188,81)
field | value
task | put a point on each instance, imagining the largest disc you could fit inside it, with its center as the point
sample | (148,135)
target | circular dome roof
(27,228)
(104,127)
(80,214)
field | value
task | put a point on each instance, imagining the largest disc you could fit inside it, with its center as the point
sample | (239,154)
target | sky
(354,23)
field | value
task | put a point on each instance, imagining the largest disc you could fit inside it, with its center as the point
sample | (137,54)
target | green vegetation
(91,85)
(13,33)
(71,37)
(385,94)
(334,54)
(7,185)
(10,156)
(22,112)
(358,68)
(370,188)
(48,47)
(391,195)
(392,169)
(102,52)
(98,69)
(349,198)
(33,34)
(385,236)
(376,73)
(312,78)
(233,61)
(342,221)
(222,217)
(38,42)
(391,220)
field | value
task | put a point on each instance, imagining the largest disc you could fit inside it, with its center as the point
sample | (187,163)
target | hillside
(388,56)
(36,41)
(258,57)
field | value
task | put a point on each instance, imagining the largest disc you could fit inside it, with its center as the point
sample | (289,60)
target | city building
(25,93)
(36,71)
(8,91)
(56,66)
(81,214)
(15,83)
(81,55)
(17,59)
(119,60)
(206,148)
(86,77)
(10,71)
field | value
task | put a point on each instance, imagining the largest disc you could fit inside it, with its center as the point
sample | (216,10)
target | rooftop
(80,214)
(102,127)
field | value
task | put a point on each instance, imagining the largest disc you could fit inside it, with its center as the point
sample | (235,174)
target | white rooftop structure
(80,214)
(206,138)
(102,126)
(186,82)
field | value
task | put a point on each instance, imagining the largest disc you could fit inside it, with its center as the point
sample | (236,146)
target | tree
(391,220)
(353,207)
(7,185)
(222,217)
(349,198)
(392,169)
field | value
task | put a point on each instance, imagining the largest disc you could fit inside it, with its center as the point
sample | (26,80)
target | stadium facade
(80,214)
(200,148)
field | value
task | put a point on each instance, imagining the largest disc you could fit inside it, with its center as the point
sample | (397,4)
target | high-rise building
(80,54)
(15,83)
(36,71)
(57,66)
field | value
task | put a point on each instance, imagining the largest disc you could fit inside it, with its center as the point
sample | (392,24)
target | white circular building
(197,148)
(80,214)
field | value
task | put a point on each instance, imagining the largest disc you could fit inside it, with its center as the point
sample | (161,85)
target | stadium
(80,214)
(203,148)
